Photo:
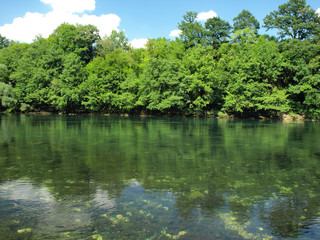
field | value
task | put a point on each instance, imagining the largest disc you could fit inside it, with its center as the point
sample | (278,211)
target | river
(107,177)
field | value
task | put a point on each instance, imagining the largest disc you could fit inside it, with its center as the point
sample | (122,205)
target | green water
(98,177)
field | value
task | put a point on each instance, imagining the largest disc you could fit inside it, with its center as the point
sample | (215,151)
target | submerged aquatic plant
(231,223)
(25,230)
(116,220)
(170,236)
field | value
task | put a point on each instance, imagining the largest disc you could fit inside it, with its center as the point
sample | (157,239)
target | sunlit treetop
(244,20)
(294,20)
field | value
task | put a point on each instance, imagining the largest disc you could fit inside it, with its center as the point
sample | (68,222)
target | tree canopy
(294,19)
(191,30)
(244,20)
(217,32)
(203,72)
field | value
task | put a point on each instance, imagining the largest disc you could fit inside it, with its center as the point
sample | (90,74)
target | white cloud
(175,33)
(203,16)
(71,6)
(139,43)
(24,29)
(318,11)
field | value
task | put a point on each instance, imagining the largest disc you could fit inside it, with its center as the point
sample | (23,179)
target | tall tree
(217,32)
(295,20)
(79,39)
(191,30)
(35,71)
(244,20)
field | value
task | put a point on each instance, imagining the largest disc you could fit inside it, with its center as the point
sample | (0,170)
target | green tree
(7,96)
(300,76)
(245,36)
(117,41)
(164,48)
(192,31)
(10,56)
(4,42)
(79,39)
(217,32)
(294,19)
(160,86)
(37,68)
(64,89)
(252,71)
(202,88)
(244,20)
(102,89)
(4,73)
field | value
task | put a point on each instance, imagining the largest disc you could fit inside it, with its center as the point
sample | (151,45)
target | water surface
(98,177)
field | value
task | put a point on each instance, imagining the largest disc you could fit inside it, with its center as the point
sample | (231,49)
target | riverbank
(285,117)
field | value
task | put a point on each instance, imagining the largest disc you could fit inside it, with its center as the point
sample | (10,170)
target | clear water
(98,177)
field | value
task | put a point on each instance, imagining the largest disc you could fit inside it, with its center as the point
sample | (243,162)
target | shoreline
(286,118)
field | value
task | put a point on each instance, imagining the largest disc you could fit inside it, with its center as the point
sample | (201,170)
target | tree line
(213,68)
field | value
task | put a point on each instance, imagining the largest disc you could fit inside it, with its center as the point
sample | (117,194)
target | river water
(102,177)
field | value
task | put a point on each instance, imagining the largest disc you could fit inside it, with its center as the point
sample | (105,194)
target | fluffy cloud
(175,33)
(139,43)
(318,11)
(24,29)
(203,16)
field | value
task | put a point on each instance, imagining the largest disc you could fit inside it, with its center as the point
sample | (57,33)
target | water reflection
(103,177)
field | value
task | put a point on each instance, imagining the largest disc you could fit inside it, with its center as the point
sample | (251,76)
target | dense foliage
(213,68)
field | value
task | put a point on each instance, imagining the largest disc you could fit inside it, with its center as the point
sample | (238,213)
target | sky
(23,20)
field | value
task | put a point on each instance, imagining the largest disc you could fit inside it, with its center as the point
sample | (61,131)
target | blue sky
(21,20)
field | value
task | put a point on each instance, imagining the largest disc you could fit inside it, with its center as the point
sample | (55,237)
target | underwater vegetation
(97,177)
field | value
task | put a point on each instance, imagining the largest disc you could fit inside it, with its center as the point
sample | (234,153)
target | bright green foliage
(65,94)
(202,83)
(65,37)
(7,98)
(79,39)
(10,56)
(160,86)
(117,41)
(245,26)
(217,32)
(137,59)
(4,73)
(254,69)
(206,72)
(244,36)
(245,20)
(301,75)
(192,30)
(39,65)
(103,87)
(295,20)
(164,48)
